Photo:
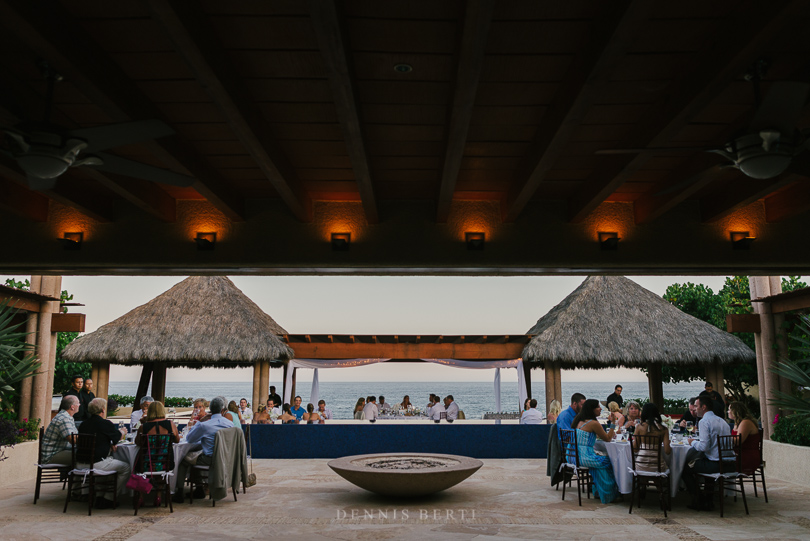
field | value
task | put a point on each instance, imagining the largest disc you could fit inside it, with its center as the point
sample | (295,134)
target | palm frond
(800,406)
(793,372)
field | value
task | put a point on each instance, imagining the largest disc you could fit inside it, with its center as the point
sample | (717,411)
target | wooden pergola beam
(582,86)
(789,202)
(50,31)
(477,19)
(194,38)
(722,60)
(327,22)
(695,175)
(746,191)
(406,350)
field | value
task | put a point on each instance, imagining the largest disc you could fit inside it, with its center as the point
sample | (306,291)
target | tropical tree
(797,371)
(17,360)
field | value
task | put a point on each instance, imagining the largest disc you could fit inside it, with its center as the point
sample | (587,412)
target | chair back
(646,452)
(761,458)
(41,436)
(157,453)
(729,449)
(84,452)
(568,443)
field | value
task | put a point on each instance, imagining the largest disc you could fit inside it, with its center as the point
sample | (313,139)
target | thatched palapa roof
(612,321)
(203,321)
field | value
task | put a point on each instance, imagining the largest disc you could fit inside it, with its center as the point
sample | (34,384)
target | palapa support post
(527,375)
(548,372)
(257,395)
(159,382)
(264,383)
(292,391)
(655,384)
(558,384)
(143,383)
(283,382)
(103,383)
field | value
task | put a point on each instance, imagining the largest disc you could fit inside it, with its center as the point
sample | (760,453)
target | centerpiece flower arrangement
(668,422)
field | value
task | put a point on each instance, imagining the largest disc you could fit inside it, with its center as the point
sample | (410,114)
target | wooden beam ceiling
(22,201)
(194,38)
(332,41)
(789,202)
(51,32)
(582,86)
(477,19)
(722,59)
(743,192)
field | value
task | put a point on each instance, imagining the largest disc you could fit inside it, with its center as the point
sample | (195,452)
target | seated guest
(135,418)
(382,405)
(198,412)
(431,402)
(689,416)
(704,456)
(311,416)
(323,411)
(107,436)
(205,433)
(61,433)
(745,425)
(276,398)
(566,417)
(437,410)
(632,415)
(287,418)
(554,410)
(616,396)
(155,423)
(370,410)
(588,428)
(245,412)
(298,411)
(615,418)
(652,425)
(233,414)
(451,407)
(406,403)
(358,408)
(274,408)
(526,407)
(531,416)
(262,417)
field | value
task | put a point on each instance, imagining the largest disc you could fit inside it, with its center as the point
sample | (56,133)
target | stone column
(655,385)
(41,392)
(763,399)
(256,396)
(764,286)
(55,309)
(548,372)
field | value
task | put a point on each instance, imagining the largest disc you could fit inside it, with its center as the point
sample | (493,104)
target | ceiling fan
(770,144)
(45,151)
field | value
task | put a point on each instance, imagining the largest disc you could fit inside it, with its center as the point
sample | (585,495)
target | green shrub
(123,400)
(170,402)
(793,429)
(672,406)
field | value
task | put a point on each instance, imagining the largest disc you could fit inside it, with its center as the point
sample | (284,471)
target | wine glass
(690,427)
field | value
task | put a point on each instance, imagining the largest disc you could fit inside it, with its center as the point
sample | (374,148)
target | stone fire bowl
(405,475)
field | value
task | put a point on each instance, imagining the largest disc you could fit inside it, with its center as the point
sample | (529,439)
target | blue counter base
(334,441)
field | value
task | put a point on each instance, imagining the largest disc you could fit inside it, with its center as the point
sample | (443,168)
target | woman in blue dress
(588,428)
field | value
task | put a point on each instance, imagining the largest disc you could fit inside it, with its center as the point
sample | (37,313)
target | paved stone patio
(304,499)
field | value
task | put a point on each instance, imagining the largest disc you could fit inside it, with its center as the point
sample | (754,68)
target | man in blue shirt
(205,433)
(298,411)
(566,417)
(704,450)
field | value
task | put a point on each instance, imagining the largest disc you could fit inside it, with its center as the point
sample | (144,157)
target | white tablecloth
(128,452)
(622,462)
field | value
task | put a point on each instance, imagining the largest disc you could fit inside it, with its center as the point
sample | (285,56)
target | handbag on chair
(140,481)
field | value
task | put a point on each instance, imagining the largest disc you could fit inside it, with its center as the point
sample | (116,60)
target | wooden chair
(730,470)
(157,464)
(84,452)
(646,454)
(49,473)
(759,470)
(201,472)
(573,470)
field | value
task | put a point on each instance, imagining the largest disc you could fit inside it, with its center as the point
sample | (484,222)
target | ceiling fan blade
(41,184)
(131,168)
(781,107)
(614,151)
(125,133)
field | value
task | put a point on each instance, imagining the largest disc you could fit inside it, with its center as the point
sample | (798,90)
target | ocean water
(474,398)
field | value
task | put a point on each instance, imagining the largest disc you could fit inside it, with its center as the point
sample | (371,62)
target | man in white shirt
(451,407)
(370,410)
(429,407)
(437,410)
(245,411)
(272,408)
(710,426)
(383,406)
(139,413)
(323,411)
(531,416)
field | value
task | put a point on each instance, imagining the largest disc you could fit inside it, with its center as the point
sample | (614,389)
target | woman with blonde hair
(554,410)
(262,417)
(615,418)
(155,423)
(632,414)
(233,410)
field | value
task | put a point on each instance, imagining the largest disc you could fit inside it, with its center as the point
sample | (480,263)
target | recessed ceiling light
(403,68)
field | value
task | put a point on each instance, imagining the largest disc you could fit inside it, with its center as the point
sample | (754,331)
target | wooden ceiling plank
(51,32)
(787,203)
(723,59)
(145,195)
(22,201)
(477,21)
(746,191)
(334,47)
(192,36)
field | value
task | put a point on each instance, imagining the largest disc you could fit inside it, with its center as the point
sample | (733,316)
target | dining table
(128,452)
(622,463)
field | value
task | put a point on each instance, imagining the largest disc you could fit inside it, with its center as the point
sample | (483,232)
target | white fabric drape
(313,394)
(523,392)
(498,390)
(320,363)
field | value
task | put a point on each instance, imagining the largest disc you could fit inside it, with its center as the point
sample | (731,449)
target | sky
(369,305)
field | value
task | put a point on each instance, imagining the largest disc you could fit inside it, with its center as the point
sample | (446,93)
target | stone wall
(786,462)
(19,464)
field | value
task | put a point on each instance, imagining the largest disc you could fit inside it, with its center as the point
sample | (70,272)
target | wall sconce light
(608,240)
(341,242)
(740,240)
(475,241)
(206,241)
(71,241)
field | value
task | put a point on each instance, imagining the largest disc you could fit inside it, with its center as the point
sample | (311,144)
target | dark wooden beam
(194,38)
(722,60)
(789,202)
(327,22)
(67,323)
(743,323)
(22,201)
(51,32)
(743,192)
(407,350)
(477,19)
(582,86)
